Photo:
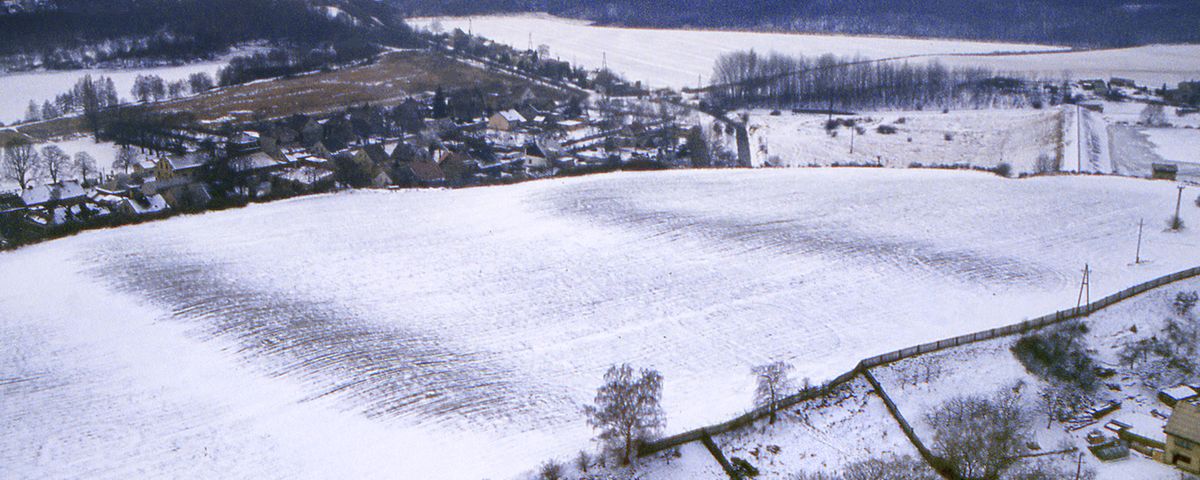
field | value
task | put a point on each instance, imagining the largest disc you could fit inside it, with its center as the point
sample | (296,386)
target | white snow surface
(456,334)
(1175,144)
(675,58)
(17,89)
(678,58)
(977,138)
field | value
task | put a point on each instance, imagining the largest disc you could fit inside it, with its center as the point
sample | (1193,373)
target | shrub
(583,462)
(1198,201)
(1175,223)
(1003,169)
(901,121)
(886,130)
(1059,356)
(744,467)
(1185,301)
(949,137)
(551,470)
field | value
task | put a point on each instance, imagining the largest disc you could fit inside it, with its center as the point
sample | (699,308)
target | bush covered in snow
(1058,356)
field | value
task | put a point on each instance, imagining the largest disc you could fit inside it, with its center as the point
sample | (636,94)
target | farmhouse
(1183,437)
(173,166)
(63,193)
(505,121)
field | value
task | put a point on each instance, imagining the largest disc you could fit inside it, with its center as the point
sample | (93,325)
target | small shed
(1179,393)
(1165,171)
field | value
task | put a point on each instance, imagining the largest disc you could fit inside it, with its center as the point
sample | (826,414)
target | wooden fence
(751,416)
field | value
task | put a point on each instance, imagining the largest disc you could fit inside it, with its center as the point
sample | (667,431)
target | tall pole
(1138,258)
(1079,466)
(852,130)
(1178,202)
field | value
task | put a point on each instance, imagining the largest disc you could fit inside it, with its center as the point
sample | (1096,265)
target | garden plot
(457,333)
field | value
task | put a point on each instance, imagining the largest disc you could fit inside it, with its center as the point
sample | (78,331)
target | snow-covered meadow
(456,334)
(17,89)
(678,58)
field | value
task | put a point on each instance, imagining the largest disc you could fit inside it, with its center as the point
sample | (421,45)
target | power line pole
(1085,286)
(1138,257)
(1079,466)
(1175,222)
(852,130)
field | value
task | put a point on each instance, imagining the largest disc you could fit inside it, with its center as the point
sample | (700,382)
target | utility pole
(1178,201)
(1079,466)
(852,130)
(1138,258)
(1085,286)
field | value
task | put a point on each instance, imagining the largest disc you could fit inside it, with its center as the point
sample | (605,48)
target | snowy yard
(919,384)
(455,334)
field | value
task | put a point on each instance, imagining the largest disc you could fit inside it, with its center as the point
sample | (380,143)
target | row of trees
(89,95)
(26,165)
(744,79)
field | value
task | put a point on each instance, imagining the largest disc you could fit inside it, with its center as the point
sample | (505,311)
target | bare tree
(85,166)
(551,470)
(773,384)
(627,409)
(33,113)
(1154,116)
(200,82)
(1060,401)
(978,437)
(127,157)
(21,162)
(55,162)
(583,461)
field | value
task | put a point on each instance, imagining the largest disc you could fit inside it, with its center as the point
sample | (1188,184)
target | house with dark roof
(68,192)
(1183,437)
(423,173)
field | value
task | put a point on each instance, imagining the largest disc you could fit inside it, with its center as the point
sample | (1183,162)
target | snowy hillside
(679,57)
(455,334)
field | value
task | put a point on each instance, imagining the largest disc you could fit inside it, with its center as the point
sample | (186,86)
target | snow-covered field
(455,334)
(1151,65)
(981,138)
(678,58)
(16,90)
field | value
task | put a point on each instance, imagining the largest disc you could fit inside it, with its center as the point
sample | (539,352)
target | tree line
(1090,23)
(71,34)
(748,79)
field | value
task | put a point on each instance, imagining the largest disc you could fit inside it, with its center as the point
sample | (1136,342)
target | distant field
(456,333)
(16,90)
(388,81)
(676,58)
(679,58)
